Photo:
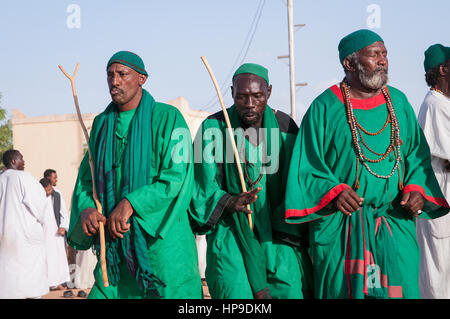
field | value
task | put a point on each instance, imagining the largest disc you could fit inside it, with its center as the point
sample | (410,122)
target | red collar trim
(364,104)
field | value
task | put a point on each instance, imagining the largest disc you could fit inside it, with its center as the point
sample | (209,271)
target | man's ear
(142,79)
(269,91)
(444,69)
(232,92)
(348,65)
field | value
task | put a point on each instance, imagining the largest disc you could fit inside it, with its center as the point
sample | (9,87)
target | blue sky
(171,35)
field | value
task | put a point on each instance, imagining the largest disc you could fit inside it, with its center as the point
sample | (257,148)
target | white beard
(374,81)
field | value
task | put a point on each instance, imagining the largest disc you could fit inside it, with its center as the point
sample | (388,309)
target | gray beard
(372,80)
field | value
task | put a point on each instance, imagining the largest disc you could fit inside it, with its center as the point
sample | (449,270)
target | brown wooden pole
(230,133)
(91,164)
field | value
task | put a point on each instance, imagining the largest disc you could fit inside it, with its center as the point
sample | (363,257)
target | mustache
(380,68)
(115,87)
(375,72)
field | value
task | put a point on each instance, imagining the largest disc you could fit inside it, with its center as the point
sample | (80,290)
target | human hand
(239,202)
(90,219)
(446,166)
(61,231)
(118,220)
(348,201)
(413,203)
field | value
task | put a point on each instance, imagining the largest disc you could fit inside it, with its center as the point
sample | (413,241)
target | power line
(246,46)
(249,38)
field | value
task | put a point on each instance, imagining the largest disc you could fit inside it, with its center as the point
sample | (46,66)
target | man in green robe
(360,174)
(269,261)
(144,191)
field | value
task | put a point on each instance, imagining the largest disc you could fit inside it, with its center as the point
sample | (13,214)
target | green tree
(5,132)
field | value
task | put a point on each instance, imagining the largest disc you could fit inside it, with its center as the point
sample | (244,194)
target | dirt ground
(58,294)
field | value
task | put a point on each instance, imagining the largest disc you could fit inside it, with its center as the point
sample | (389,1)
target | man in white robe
(58,266)
(23,259)
(434,117)
(63,219)
(85,260)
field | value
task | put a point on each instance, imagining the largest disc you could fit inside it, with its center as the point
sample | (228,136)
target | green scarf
(136,173)
(371,247)
(252,252)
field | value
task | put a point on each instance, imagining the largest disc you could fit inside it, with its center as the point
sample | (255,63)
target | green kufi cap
(356,41)
(129,59)
(255,69)
(435,55)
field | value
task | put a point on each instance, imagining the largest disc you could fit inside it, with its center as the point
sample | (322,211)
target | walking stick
(91,164)
(230,134)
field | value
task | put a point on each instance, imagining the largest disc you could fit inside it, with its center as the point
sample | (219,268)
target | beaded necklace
(439,91)
(357,137)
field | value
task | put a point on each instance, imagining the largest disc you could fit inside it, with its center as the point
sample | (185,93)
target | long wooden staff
(230,134)
(91,164)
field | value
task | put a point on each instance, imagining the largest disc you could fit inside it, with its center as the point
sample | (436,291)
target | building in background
(57,142)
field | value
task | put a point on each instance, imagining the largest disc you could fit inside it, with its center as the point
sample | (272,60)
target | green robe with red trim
(373,253)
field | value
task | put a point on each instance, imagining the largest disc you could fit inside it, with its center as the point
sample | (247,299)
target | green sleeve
(82,198)
(161,202)
(209,198)
(311,185)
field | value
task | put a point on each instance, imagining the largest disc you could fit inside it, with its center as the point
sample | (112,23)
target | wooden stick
(91,164)
(230,134)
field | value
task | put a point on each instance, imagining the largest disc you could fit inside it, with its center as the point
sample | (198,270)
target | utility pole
(292,84)
(290,10)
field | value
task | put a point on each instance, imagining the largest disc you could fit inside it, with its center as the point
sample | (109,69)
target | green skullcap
(356,41)
(255,69)
(129,59)
(435,55)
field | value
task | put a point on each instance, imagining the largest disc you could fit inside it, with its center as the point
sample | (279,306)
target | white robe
(200,241)
(58,266)
(434,235)
(82,272)
(23,260)
(84,269)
